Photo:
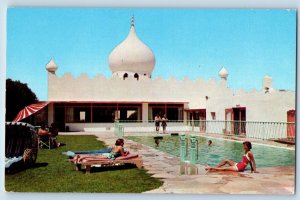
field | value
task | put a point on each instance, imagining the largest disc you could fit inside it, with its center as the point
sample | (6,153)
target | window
(132,114)
(82,116)
(78,114)
(174,112)
(105,114)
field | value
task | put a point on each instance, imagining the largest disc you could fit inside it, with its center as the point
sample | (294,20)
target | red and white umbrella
(29,110)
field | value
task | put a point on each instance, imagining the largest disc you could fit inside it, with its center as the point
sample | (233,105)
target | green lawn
(53,173)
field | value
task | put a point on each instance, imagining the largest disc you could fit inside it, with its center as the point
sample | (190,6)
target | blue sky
(194,43)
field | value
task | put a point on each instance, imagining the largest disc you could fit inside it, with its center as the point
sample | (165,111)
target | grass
(52,173)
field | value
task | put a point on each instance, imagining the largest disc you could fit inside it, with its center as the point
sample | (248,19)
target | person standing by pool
(164,120)
(241,166)
(157,120)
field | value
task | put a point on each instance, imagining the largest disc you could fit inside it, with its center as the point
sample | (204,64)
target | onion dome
(51,66)
(223,73)
(132,56)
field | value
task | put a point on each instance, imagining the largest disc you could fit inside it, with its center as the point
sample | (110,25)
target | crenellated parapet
(100,88)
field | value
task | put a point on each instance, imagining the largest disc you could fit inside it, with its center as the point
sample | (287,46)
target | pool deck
(181,178)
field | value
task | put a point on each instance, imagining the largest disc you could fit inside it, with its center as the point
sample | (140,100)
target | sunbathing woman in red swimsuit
(241,166)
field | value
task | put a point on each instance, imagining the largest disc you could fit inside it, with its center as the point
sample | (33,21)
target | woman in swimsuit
(117,150)
(239,167)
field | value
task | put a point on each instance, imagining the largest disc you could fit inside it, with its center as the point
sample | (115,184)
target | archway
(136,76)
(125,76)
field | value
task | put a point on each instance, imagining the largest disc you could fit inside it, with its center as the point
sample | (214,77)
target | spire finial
(132,20)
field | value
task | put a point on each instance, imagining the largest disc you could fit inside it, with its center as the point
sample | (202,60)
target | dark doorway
(59,117)
(291,117)
(239,117)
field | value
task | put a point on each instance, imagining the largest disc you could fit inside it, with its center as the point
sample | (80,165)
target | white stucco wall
(260,106)
(268,107)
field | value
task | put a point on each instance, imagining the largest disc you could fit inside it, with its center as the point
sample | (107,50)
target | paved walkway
(182,179)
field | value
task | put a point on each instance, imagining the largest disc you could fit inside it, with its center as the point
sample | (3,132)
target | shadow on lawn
(38,165)
(111,168)
(20,166)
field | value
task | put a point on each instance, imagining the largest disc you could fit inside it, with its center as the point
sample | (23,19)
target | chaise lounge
(72,154)
(99,160)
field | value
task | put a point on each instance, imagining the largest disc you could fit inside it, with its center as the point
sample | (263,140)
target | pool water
(265,155)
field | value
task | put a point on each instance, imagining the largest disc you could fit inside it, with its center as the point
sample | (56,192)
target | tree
(18,95)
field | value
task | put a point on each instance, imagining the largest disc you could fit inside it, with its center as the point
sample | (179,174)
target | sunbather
(98,152)
(241,166)
(117,150)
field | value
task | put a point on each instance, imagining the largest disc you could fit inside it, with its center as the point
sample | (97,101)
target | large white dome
(131,56)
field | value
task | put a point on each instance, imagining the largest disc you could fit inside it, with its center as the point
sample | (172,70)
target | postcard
(151,100)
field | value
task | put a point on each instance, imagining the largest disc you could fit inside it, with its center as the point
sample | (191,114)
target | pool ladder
(193,150)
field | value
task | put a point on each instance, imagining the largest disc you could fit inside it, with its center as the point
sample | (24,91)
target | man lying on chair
(117,150)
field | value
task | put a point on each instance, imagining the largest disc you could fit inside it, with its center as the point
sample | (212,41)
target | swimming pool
(265,155)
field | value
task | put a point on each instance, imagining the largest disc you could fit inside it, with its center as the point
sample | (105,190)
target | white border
(4,4)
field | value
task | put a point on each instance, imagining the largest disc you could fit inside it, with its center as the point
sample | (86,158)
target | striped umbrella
(29,110)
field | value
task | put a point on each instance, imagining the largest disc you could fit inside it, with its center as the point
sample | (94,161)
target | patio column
(50,113)
(185,113)
(145,107)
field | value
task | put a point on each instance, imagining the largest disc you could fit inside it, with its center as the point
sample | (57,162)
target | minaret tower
(51,67)
(267,84)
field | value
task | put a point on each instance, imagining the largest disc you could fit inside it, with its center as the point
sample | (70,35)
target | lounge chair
(44,141)
(99,160)
(72,154)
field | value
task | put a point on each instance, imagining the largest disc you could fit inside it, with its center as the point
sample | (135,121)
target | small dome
(267,77)
(51,66)
(223,73)
(132,55)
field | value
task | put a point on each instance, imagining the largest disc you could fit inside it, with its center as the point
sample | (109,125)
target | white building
(131,94)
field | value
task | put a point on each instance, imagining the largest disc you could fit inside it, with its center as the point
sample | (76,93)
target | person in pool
(117,151)
(239,167)
(209,143)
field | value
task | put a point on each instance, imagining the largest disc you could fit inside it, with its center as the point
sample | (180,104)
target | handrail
(197,121)
(197,148)
(249,129)
(186,146)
